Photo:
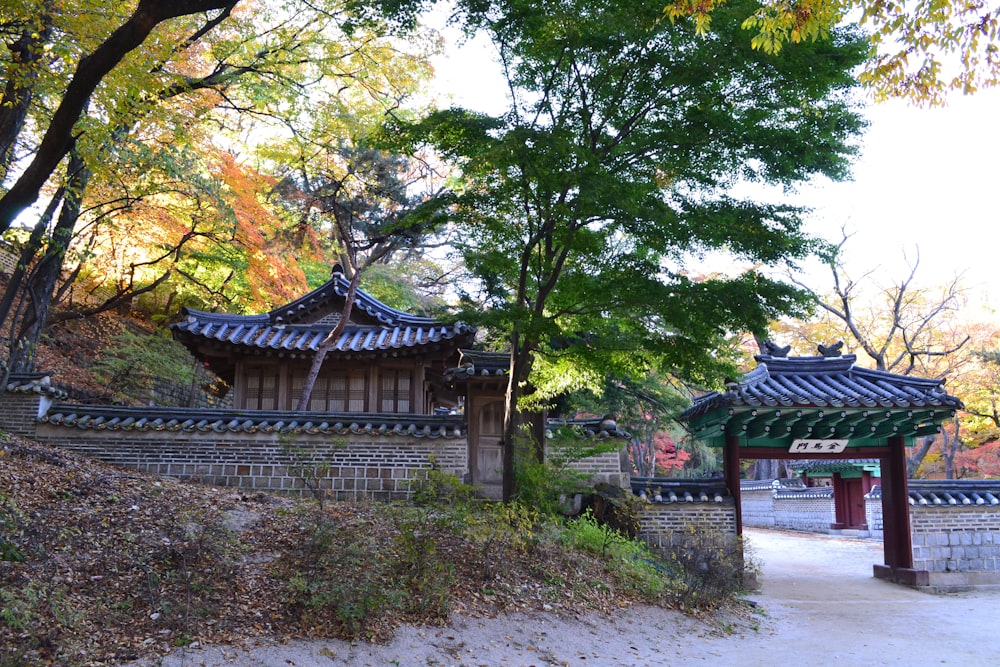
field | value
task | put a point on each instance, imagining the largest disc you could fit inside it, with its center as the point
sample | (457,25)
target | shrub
(712,566)
(633,564)
(344,577)
(545,485)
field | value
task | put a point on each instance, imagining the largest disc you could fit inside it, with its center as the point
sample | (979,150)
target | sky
(925,184)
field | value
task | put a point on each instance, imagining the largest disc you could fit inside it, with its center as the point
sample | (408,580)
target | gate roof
(820,398)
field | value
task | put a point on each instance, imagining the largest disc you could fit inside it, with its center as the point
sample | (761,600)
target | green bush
(344,578)
(633,564)
(501,530)
(545,485)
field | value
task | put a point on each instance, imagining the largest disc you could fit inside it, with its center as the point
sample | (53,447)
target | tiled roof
(33,383)
(249,332)
(222,421)
(600,427)
(822,398)
(294,327)
(804,492)
(668,491)
(770,484)
(834,382)
(835,465)
(475,364)
(949,493)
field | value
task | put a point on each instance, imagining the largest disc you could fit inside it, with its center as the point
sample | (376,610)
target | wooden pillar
(866,482)
(896,506)
(898,545)
(731,470)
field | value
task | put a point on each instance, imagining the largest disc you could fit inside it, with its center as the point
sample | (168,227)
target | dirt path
(819,605)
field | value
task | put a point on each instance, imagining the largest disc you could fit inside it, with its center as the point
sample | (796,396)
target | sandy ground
(819,604)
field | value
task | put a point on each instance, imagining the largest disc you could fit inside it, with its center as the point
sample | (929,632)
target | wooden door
(486,457)
(855,503)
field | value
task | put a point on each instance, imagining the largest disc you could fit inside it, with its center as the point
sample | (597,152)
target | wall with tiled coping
(766,506)
(662,524)
(349,466)
(958,544)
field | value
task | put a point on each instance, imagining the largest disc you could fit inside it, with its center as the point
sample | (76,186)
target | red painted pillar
(898,543)
(731,470)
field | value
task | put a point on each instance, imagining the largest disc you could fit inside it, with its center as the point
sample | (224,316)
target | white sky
(926,179)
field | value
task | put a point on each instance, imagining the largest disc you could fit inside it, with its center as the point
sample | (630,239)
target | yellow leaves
(920,51)
(782,22)
(699,10)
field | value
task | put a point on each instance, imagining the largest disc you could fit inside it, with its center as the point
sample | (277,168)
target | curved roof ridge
(818,382)
(338,286)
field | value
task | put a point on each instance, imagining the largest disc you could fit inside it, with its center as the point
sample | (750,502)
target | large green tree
(616,163)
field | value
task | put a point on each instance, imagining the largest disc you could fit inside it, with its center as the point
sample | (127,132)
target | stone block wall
(959,546)
(801,512)
(873,517)
(660,524)
(353,467)
(758,506)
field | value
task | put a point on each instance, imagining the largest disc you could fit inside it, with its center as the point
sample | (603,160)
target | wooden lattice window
(396,390)
(261,388)
(337,391)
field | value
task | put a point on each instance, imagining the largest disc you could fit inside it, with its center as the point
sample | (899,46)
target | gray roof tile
(226,421)
(293,327)
(671,491)
(821,382)
(949,493)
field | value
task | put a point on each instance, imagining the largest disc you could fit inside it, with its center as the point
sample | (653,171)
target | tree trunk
(22,74)
(327,344)
(42,281)
(513,419)
(28,254)
(917,455)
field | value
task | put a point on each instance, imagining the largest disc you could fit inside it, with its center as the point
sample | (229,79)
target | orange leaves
(273,274)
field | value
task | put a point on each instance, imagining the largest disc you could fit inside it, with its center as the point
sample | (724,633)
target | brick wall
(357,465)
(8,259)
(609,467)
(873,517)
(958,546)
(810,514)
(19,412)
(660,522)
(352,467)
(757,505)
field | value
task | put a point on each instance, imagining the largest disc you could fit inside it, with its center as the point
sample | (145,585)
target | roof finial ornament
(831,350)
(771,348)
(337,268)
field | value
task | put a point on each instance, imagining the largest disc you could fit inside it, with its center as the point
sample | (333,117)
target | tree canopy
(919,50)
(615,165)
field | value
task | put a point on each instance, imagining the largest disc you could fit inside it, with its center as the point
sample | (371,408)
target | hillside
(104,565)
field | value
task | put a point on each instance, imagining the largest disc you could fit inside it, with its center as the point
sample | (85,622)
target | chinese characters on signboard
(802,446)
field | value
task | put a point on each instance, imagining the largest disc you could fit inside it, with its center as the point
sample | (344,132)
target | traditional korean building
(826,408)
(385,361)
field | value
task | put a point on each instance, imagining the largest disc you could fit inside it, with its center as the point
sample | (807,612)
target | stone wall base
(902,575)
